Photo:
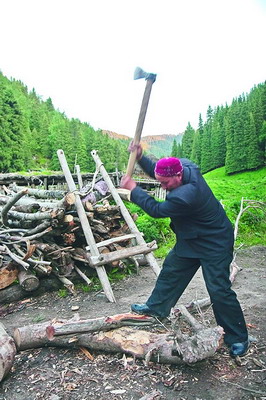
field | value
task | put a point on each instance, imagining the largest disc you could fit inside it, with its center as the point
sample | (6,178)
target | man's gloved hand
(132,147)
(127,183)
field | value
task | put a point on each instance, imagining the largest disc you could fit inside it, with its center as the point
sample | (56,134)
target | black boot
(143,309)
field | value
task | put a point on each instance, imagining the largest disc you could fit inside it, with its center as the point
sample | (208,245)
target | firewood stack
(41,234)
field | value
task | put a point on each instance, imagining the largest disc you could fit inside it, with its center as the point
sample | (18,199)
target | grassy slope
(250,185)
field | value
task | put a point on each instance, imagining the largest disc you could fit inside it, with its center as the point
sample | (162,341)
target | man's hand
(132,147)
(127,183)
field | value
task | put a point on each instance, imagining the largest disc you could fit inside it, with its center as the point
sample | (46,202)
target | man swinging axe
(204,238)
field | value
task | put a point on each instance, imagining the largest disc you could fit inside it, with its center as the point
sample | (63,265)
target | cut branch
(10,203)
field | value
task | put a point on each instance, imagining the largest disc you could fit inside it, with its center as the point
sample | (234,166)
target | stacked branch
(41,235)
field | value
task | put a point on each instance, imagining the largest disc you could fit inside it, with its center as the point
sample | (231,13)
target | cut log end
(28,281)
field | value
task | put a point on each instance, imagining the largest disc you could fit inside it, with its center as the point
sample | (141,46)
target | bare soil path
(62,374)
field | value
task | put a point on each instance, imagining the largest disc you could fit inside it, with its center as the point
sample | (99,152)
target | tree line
(233,136)
(32,130)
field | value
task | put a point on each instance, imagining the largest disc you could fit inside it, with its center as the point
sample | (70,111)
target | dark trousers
(176,274)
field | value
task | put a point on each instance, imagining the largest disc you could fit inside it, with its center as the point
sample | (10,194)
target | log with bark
(116,334)
(7,352)
(15,293)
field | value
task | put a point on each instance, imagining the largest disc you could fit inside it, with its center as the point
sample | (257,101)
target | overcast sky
(83,53)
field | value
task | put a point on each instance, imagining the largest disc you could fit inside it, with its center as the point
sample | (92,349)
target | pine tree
(11,131)
(187,141)
(236,156)
(196,150)
(174,149)
(179,151)
(206,156)
(254,155)
(218,146)
(59,138)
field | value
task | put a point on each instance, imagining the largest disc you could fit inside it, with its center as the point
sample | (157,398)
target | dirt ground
(63,374)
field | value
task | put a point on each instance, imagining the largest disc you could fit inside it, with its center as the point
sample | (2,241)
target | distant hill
(160,145)
(157,145)
(115,135)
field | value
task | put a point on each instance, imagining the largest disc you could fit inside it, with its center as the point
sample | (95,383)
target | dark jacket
(197,217)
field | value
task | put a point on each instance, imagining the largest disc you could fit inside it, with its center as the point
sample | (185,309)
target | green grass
(229,189)
(38,172)
(250,185)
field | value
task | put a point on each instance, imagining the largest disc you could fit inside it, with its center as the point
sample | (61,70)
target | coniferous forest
(32,130)
(233,136)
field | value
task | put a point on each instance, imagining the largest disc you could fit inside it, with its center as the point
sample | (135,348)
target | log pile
(41,235)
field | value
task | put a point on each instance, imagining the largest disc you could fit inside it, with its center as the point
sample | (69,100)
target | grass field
(230,189)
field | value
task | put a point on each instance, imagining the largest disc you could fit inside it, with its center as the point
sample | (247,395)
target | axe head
(139,74)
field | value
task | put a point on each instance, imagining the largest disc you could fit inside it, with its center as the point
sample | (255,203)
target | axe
(150,78)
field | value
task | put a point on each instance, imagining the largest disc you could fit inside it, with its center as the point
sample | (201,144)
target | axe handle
(142,115)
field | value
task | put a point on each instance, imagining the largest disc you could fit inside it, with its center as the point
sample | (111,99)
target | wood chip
(87,353)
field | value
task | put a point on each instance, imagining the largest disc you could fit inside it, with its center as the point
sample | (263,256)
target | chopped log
(43,194)
(64,202)
(27,208)
(68,219)
(7,352)
(15,293)
(8,274)
(38,216)
(67,201)
(46,333)
(88,206)
(28,281)
(4,199)
(157,347)
(98,324)
(125,253)
(12,223)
